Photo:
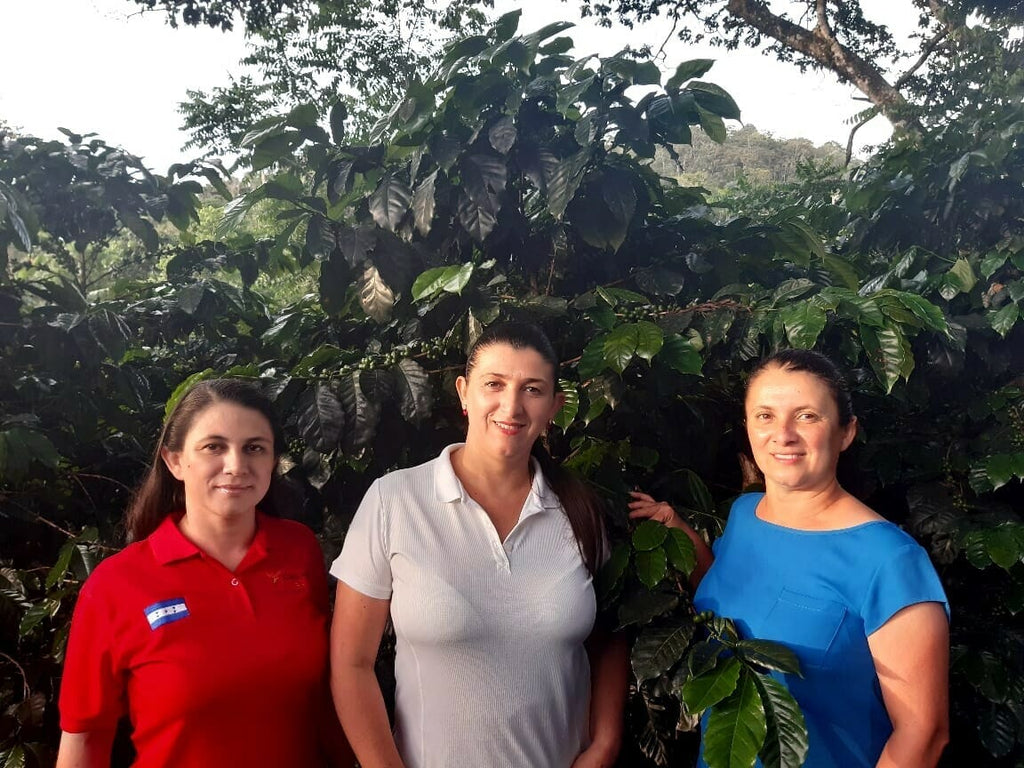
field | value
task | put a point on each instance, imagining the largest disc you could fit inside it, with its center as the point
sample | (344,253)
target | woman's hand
(594,757)
(644,506)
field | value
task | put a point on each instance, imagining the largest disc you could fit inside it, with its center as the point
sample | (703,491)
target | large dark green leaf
(677,353)
(804,322)
(477,220)
(390,202)
(483,180)
(648,535)
(785,741)
(502,134)
(1001,468)
(423,204)
(361,413)
(610,574)
(770,655)
(651,567)
(415,395)
(339,113)
(998,730)
(592,360)
(335,279)
(713,126)
(680,550)
(643,606)
(448,279)
(736,728)
(562,181)
(1004,319)
(889,353)
(321,418)
(660,647)
(567,414)
(708,689)
(687,71)
(620,347)
(714,100)
(356,243)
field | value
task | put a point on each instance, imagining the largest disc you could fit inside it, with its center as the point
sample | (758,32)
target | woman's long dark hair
(160,492)
(582,506)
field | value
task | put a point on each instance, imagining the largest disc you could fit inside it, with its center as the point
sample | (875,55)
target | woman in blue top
(806,564)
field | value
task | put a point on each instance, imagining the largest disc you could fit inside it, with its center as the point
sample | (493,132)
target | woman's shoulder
(127,566)
(281,529)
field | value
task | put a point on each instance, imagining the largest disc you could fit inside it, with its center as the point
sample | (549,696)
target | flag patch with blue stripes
(165,612)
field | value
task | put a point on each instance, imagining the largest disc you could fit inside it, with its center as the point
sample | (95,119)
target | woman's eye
(256,448)
(762,417)
(211,447)
(808,417)
(533,390)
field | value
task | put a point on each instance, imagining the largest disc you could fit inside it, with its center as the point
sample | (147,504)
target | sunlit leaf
(375,296)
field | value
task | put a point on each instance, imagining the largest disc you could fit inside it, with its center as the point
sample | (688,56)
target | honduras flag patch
(165,612)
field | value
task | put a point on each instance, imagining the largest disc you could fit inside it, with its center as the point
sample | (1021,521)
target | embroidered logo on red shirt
(165,612)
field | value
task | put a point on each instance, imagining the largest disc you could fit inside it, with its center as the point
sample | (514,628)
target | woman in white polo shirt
(483,558)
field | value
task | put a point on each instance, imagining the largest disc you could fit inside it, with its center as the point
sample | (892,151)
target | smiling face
(509,399)
(794,428)
(226,461)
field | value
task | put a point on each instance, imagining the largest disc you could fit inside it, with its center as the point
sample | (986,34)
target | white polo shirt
(490,665)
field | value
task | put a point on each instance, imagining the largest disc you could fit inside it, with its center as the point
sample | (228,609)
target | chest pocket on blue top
(808,625)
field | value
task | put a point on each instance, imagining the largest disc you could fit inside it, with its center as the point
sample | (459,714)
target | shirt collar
(169,544)
(448,488)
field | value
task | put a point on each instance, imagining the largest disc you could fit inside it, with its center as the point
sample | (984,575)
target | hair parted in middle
(160,493)
(582,506)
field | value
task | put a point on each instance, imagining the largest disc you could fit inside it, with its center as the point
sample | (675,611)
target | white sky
(102,66)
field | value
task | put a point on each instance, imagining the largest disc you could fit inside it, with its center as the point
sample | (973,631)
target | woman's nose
(235,462)
(785,431)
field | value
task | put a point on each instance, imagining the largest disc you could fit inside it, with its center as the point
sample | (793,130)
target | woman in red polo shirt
(209,631)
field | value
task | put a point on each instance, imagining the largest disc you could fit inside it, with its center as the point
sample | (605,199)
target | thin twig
(24,678)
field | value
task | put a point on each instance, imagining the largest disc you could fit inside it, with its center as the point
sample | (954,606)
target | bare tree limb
(828,52)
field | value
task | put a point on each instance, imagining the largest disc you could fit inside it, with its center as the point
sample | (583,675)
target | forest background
(407,173)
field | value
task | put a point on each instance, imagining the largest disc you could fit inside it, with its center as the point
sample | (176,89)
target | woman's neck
(498,475)
(226,540)
(806,509)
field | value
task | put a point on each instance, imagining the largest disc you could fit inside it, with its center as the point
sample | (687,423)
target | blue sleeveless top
(821,593)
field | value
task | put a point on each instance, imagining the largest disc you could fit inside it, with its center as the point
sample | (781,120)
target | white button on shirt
(490,665)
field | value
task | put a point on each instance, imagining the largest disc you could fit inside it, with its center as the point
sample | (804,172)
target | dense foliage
(516,181)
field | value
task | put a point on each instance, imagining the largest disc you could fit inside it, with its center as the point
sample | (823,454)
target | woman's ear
(851,432)
(460,388)
(172,459)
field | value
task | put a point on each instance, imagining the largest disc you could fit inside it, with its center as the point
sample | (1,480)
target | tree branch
(819,46)
(926,51)
(823,27)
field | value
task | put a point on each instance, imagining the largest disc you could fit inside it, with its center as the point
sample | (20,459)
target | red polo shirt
(214,668)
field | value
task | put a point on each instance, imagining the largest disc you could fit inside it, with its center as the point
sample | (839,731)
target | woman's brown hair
(582,506)
(160,493)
